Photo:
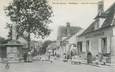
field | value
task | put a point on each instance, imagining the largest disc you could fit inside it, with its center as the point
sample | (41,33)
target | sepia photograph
(57,35)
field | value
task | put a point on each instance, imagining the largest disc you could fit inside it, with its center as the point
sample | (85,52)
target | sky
(77,14)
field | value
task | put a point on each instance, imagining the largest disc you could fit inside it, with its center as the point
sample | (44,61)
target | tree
(31,16)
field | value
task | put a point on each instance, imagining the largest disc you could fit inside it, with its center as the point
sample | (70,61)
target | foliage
(2,40)
(31,16)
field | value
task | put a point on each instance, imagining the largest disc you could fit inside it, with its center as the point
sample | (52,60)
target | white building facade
(99,37)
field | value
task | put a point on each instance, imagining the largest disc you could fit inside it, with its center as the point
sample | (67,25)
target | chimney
(100,7)
(100,13)
(68,29)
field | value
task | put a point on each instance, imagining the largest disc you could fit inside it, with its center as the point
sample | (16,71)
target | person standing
(25,57)
(7,66)
(89,58)
(97,60)
(29,56)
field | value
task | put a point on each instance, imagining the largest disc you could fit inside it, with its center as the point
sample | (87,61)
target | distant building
(66,31)
(71,42)
(36,45)
(66,35)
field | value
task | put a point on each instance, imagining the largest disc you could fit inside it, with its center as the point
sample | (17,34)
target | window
(101,21)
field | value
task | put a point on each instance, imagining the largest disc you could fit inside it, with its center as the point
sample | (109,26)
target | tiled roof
(107,15)
(62,31)
(90,28)
(76,34)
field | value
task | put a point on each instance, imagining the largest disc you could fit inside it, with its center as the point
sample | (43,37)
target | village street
(62,36)
(57,66)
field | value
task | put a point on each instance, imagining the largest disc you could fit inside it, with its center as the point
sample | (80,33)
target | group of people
(27,56)
(90,59)
(100,59)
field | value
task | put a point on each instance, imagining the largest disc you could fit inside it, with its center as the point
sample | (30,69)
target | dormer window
(96,25)
(101,21)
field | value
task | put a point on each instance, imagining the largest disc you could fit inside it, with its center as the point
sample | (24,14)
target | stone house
(99,37)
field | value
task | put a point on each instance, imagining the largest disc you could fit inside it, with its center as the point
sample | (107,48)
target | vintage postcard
(57,35)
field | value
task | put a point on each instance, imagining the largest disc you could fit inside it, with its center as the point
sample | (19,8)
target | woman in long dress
(89,58)
(29,56)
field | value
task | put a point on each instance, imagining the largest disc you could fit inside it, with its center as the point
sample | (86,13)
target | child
(97,60)
(104,60)
(7,66)
(80,59)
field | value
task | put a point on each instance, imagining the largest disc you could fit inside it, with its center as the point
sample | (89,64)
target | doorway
(104,45)
(79,44)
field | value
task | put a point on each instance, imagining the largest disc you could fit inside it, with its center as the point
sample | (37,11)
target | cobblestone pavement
(54,67)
